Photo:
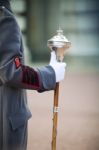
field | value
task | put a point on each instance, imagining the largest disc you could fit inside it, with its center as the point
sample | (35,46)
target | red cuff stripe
(17,62)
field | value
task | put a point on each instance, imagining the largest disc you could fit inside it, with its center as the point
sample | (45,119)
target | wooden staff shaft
(55,116)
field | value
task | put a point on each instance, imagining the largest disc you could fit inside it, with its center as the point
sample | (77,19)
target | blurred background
(78,124)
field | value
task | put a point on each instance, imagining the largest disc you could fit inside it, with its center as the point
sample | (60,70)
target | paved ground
(78,124)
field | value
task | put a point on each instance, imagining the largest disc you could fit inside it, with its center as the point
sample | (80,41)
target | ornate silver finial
(59,31)
(59,43)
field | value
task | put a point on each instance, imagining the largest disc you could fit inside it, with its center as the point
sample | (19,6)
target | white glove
(59,67)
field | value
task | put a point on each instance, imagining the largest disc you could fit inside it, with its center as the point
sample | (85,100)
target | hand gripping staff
(59,44)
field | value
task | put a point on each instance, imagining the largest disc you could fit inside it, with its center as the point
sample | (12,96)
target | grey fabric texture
(14,111)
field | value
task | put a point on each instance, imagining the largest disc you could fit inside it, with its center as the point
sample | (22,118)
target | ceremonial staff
(59,44)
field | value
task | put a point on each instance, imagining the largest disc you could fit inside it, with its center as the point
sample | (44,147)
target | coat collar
(6,3)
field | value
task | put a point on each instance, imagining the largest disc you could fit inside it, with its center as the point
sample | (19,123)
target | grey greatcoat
(15,77)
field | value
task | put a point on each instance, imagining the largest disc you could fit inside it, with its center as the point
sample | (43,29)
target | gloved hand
(59,67)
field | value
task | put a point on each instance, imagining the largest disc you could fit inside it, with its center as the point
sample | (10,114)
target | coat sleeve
(13,72)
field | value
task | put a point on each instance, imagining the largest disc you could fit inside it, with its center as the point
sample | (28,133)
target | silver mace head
(59,43)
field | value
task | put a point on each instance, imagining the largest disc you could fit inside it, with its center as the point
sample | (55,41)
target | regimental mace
(58,43)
